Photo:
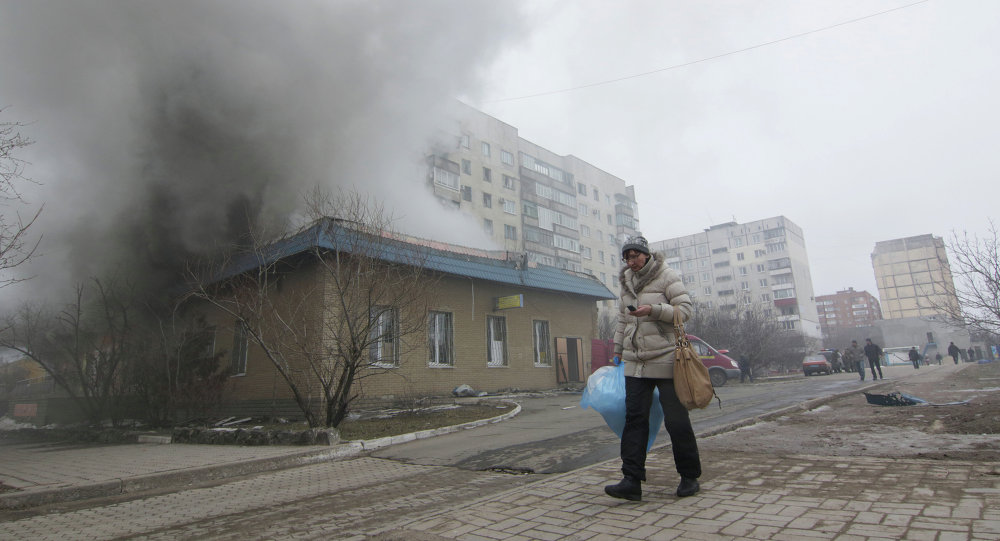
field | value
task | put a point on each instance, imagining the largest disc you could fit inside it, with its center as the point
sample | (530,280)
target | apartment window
(467,167)
(487,174)
(583,209)
(600,256)
(745,286)
(543,347)
(464,140)
(508,182)
(488,226)
(506,157)
(705,277)
(765,297)
(587,253)
(739,256)
(596,197)
(763,282)
(496,341)
(788,325)
(487,200)
(486,149)
(738,241)
(708,291)
(585,231)
(581,189)
(509,206)
(743,271)
(509,232)
(240,345)
(760,268)
(446,178)
(611,239)
(467,193)
(530,209)
(440,340)
(382,337)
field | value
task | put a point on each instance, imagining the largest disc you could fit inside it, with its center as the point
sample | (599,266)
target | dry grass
(417,420)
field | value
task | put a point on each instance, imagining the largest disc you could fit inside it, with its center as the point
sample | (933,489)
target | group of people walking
(854,357)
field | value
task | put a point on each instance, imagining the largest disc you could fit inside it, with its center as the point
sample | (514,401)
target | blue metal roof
(329,234)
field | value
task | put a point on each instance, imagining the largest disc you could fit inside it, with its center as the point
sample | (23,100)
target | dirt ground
(850,426)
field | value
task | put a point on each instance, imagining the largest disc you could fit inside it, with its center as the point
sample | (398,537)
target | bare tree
(976,267)
(85,347)
(334,315)
(607,318)
(180,373)
(15,249)
(751,331)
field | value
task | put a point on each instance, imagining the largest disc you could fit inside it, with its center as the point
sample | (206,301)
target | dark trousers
(638,399)
(875,364)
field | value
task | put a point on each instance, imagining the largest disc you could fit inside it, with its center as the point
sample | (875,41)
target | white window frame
(241,344)
(383,329)
(440,338)
(542,342)
(496,341)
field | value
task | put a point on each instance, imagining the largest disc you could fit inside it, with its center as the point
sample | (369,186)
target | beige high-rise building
(913,277)
(762,262)
(558,210)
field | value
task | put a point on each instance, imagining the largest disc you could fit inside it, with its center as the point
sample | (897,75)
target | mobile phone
(630,308)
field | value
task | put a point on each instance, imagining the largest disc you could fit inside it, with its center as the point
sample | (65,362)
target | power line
(706,59)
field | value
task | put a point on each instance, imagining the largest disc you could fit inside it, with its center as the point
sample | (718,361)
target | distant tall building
(761,262)
(846,309)
(559,210)
(913,277)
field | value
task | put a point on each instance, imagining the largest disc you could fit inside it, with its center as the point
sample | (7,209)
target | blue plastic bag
(605,393)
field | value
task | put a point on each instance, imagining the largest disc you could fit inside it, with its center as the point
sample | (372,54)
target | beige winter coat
(646,344)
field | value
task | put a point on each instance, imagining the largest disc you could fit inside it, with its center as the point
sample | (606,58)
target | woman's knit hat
(638,244)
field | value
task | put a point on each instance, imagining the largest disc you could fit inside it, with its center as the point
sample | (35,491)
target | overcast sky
(882,128)
(158,122)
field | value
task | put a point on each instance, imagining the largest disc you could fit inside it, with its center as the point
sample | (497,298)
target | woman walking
(650,294)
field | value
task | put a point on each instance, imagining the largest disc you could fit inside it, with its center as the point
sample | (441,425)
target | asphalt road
(553,434)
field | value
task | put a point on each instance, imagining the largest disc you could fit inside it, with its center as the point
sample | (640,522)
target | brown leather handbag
(691,379)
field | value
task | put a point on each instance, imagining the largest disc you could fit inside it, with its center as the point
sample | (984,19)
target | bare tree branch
(15,248)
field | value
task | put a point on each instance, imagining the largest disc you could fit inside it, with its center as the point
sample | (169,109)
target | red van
(720,367)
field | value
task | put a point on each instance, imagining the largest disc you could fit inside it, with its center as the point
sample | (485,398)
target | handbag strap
(679,334)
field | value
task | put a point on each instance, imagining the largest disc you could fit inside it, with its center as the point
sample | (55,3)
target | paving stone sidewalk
(745,496)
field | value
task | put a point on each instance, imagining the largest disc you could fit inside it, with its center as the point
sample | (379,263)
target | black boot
(688,487)
(629,489)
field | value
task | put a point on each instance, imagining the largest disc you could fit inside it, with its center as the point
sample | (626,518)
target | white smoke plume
(161,128)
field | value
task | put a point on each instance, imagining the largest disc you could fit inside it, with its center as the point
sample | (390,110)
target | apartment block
(847,309)
(558,210)
(913,277)
(761,263)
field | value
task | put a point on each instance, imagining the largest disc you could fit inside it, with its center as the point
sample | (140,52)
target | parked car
(816,364)
(720,366)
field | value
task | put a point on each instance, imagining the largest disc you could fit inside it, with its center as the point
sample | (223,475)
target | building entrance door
(569,355)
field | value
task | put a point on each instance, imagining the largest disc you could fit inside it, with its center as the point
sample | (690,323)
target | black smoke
(164,129)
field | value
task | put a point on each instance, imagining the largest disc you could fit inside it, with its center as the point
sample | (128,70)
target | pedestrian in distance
(954,352)
(972,354)
(938,358)
(745,372)
(874,354)
(644,339)
(914,357)
(855,358)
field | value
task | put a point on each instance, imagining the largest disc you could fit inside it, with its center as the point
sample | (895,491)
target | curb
(190,476)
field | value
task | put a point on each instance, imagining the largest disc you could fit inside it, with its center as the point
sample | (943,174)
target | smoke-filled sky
(880,128)
(161,126)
